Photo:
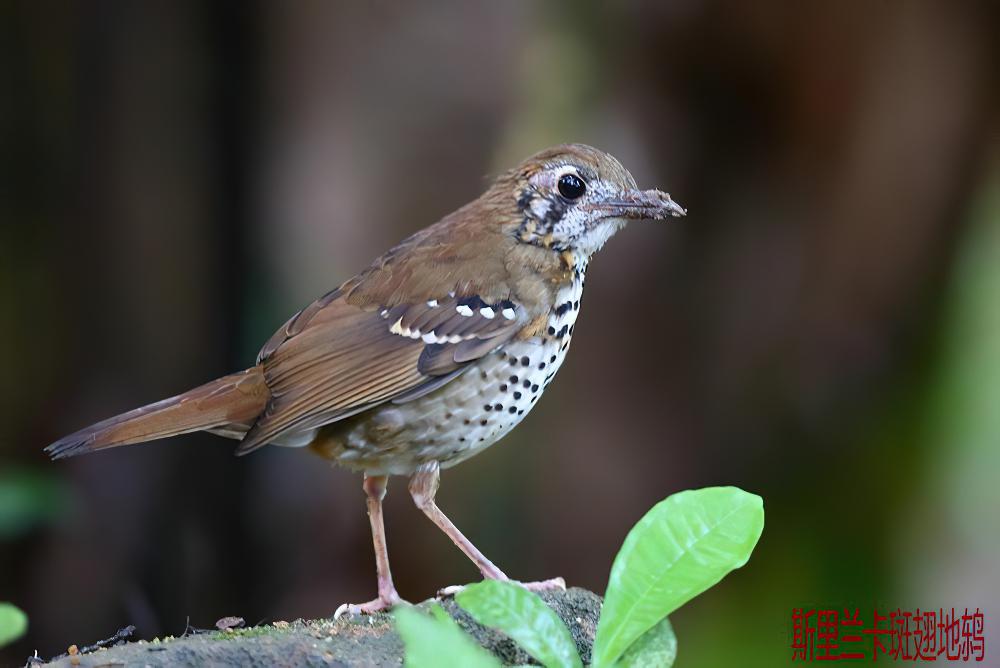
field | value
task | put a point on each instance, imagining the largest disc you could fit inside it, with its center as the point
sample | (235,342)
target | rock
(349,641)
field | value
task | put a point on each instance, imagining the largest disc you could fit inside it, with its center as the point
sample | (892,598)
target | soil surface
(349,641)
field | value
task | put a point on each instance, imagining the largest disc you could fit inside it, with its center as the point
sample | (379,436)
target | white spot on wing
(430,337)
(397,328)
(486,312)
(432,303)
(508,313)
(463,310)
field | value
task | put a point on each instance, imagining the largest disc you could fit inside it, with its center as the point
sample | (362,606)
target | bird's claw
(380,604)
(449,591)
(551,584)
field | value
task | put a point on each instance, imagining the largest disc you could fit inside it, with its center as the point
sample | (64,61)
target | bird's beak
(640,204)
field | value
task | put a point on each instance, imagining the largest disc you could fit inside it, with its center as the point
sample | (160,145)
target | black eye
(571,186)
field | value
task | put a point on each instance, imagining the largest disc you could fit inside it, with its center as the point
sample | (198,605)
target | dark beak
(640,204)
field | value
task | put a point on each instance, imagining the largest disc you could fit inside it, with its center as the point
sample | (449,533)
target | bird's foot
(552,584)
(542,585)
(381,604)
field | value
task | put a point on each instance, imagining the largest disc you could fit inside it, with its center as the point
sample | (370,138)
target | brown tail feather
(237,398)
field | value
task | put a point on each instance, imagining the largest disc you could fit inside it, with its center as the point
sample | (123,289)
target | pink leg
(423,488)
(374,487)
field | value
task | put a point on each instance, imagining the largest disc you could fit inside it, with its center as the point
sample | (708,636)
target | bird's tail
(236,399)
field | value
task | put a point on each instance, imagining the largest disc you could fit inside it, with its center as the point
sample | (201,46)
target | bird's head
(574,197)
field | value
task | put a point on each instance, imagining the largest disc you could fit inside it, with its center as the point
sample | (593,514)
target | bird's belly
(458,420)
(464,416)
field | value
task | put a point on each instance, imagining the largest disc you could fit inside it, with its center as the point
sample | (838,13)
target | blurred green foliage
(13,623)
(29,499)
(430,638)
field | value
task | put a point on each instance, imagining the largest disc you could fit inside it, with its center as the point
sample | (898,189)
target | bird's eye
(571,186)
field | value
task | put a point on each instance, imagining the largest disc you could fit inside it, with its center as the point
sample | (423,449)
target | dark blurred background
(822,329)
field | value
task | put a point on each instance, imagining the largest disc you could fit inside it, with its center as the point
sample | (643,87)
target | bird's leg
(423,488)
(374,487)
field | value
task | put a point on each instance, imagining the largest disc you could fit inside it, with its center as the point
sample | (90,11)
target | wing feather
(334,359)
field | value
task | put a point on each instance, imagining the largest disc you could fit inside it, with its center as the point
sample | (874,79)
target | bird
(431,354)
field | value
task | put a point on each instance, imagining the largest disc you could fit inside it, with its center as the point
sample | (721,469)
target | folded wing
(335,359)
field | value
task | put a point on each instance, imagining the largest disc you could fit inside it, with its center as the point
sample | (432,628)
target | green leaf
(523,616)
(681,547)
(656,648)
(433,641)
(13,623)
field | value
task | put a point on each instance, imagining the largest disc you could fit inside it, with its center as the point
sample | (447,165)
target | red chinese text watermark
(920,635)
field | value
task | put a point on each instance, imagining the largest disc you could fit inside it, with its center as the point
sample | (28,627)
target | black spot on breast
(562,332)
(503,387)
(483,423)
(552,330)
(498,407)
(513,379)
(552,360)
(512,410)
(520,412)
(525,361)
(526,383)
(488,407)
(541,366)
(563,308)
(517,395)
(534,388)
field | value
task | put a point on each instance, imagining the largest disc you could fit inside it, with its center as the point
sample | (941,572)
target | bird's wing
(337,358)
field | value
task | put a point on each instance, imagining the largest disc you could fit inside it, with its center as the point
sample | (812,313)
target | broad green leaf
(681,547)
(656,648)
(13,623)
(523,616)
(433,642)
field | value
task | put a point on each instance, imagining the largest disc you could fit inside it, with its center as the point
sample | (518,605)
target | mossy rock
(349,641)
